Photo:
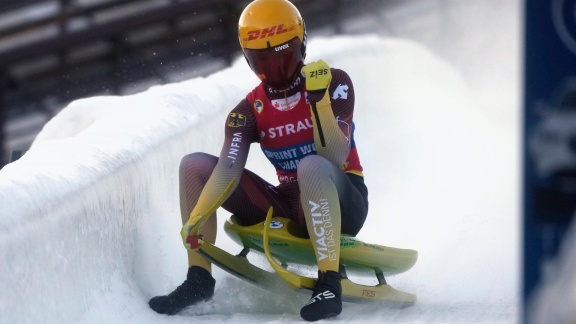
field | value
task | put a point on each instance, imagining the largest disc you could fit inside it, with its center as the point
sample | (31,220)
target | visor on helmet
(277,66)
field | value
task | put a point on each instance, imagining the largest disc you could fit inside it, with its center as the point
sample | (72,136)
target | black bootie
(326,300)
(198,286)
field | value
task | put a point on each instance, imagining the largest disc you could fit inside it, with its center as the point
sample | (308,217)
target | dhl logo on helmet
(267,32)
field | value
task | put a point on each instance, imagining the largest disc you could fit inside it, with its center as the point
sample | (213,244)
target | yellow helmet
(272,35)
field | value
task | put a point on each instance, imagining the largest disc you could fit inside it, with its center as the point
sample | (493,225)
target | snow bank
(71,206)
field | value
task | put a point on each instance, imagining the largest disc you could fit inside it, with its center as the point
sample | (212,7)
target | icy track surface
(89,217)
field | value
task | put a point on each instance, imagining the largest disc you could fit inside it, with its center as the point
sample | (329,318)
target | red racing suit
(281,123)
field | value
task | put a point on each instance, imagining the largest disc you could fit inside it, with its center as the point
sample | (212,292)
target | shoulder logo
(258,106)
(236,120)
(341,92)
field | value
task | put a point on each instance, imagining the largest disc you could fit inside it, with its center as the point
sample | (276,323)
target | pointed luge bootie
(326,301)
(198,286)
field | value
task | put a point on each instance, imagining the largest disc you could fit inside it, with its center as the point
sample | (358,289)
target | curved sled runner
(279,239)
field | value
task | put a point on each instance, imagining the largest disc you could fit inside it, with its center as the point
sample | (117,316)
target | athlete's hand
(318,78)
(192,241)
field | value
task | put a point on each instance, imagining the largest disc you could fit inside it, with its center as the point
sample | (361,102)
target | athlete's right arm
(240,132)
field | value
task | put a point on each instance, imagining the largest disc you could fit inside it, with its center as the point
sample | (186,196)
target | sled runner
(285,246)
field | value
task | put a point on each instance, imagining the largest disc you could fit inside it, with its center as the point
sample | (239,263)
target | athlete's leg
(321,206)
(327,194)
(195,169)
(353,197)
(249,201)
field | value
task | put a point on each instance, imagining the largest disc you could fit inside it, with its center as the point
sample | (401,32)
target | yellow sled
(280,239)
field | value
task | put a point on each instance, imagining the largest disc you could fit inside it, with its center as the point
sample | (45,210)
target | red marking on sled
(195,241)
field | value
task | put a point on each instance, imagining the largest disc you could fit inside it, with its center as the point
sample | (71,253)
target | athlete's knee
(198,163)
(313,165)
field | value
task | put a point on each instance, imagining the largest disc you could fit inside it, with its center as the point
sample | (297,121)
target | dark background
(53,52)
(549,60)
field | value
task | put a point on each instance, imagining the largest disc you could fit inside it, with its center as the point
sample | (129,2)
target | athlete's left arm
(332,114)
(342,103)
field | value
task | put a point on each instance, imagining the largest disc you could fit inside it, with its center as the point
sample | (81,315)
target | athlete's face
(276,66)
